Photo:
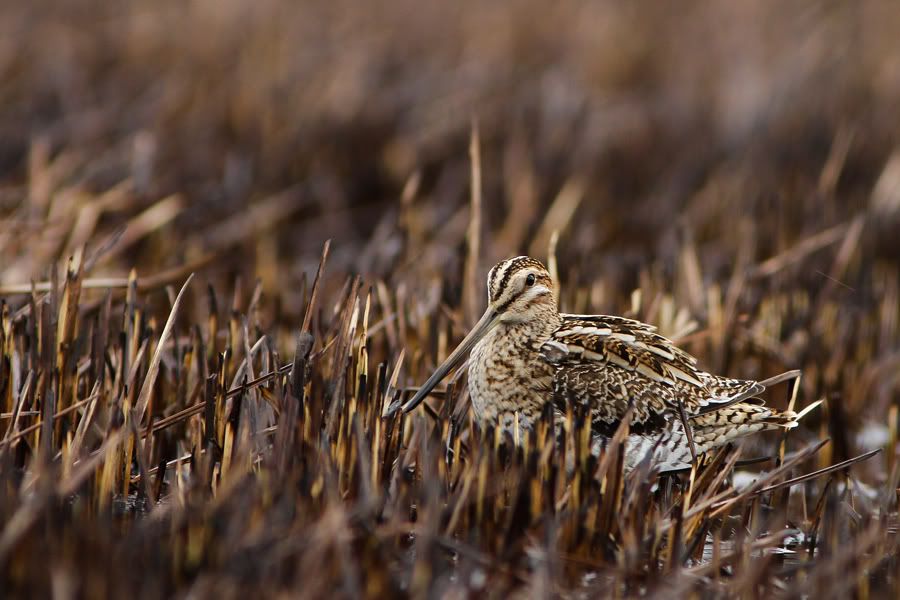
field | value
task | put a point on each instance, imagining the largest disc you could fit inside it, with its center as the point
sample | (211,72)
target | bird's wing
(608,362)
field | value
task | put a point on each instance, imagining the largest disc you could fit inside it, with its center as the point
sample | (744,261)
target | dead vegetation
(192,376)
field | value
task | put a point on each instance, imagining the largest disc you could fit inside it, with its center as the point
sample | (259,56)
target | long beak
(487,322)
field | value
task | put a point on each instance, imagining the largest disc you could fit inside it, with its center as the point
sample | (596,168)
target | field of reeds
(231,232)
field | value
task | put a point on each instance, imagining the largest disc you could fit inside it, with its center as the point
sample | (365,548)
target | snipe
(524,354)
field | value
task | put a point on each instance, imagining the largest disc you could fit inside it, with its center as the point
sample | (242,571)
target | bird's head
(520,290)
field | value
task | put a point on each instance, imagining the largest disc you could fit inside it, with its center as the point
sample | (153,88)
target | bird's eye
(529,281)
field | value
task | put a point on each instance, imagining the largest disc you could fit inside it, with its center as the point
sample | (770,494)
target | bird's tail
(717,428)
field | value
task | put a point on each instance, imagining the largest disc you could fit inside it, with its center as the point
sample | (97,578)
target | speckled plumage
(524,354)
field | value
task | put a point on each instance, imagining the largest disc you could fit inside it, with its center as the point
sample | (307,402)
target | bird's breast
(508,379)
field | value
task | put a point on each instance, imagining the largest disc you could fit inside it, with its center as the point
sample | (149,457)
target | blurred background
(708,115)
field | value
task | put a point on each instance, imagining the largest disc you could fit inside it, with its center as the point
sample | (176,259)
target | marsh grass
(192,378)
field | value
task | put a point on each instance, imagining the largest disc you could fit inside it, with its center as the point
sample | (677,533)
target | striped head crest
(519,288)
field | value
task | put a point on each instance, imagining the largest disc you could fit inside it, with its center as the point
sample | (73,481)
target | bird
(524,354)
